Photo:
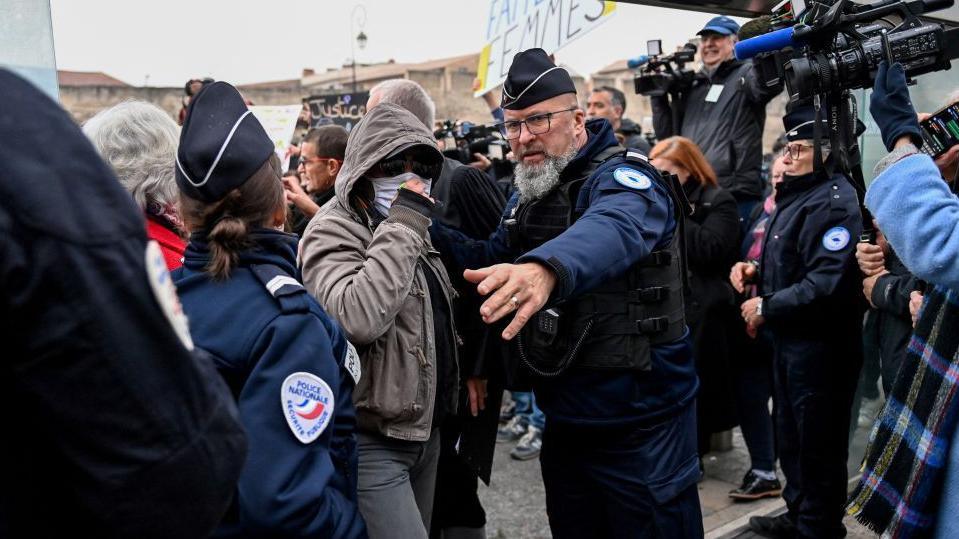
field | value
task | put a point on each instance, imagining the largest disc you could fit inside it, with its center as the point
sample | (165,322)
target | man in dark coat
(113,428)
(723,113)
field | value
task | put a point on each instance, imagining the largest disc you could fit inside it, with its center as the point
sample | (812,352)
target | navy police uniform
(813,309)
(619,449)
(289,366)
(112,427)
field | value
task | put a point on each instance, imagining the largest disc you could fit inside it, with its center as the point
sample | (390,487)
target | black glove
(891,108)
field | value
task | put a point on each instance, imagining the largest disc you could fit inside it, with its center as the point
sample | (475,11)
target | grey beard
(534,181)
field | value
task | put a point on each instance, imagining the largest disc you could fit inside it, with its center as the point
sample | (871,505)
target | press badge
(714,92)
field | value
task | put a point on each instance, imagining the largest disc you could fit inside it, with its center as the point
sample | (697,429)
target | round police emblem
(835,238)
(163,288)
(307,405)
(632,178)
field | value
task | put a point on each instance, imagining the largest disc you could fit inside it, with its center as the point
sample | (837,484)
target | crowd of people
(634,292)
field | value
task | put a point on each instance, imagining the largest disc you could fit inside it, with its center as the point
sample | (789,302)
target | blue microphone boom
(771,42)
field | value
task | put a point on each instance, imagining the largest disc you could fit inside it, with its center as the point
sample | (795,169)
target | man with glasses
(810,306)
(723,113)
(321,156)
(587,264)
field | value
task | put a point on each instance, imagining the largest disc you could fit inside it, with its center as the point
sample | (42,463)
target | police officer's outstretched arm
(290,485)
(628,215)
(467,252)
(106,408)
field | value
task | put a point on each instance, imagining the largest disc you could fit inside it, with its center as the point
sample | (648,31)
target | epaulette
(287,291)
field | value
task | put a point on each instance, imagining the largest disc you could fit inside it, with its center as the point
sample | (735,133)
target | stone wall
(84,101)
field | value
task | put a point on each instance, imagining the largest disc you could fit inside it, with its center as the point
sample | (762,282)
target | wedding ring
(514,301)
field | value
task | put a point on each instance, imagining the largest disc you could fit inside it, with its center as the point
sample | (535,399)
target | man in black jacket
(723,113)
(111,423)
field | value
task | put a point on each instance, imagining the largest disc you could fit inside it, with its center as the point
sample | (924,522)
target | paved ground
(515,506)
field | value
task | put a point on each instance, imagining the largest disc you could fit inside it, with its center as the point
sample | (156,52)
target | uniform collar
(600,136)
(792,186)
(267,247)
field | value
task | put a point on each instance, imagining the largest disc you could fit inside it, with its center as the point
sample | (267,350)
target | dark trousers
(754,387)
(814,386)
(637,482)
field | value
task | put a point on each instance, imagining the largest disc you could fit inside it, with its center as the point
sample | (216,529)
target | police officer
(809,303)
(112,427)
(290,368)
(595,294)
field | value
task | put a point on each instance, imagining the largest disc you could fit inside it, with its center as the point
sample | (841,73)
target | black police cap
(534,78)
(799,123)
(221,144)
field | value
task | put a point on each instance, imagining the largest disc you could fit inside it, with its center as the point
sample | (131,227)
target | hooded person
(240,288)
(368,259)
(105,395)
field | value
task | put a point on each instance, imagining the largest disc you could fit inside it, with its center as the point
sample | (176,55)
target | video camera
(659,75)
(462,139)
(834,46)
(825,49)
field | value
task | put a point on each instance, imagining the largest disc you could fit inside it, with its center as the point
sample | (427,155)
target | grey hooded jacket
(370,279)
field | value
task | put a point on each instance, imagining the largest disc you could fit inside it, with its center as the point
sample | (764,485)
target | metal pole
(353,21)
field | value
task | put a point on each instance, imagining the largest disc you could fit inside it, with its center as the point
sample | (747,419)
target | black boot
(781,527)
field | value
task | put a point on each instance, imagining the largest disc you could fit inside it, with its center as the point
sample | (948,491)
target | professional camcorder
(462,139)
(824,49)
(835,46)
(660,75)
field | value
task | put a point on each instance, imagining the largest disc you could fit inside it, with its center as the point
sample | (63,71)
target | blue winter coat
(289,367)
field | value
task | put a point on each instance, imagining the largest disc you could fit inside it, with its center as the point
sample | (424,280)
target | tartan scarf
(909,443)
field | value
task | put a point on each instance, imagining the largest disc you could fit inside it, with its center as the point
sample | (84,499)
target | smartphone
(654,47)
(940,131)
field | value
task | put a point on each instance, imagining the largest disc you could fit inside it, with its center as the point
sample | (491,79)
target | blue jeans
(526,407)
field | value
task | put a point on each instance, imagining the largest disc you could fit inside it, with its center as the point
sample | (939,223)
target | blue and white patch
(632,178)
(307,405)
(351,362)
(835,238)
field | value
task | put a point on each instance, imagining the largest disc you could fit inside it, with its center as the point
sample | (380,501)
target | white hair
(534,181)
(139,140)
(408,95)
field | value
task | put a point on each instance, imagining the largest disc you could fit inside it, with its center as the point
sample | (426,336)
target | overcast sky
(259,40)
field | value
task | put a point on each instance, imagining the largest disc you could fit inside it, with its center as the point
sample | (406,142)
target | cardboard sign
(279,122)
(342,109)
(517,25)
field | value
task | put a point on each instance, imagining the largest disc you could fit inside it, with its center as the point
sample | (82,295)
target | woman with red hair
(712,246)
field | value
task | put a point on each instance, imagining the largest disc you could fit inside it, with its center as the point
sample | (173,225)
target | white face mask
(385,190)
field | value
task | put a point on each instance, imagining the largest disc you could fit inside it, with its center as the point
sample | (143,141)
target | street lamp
(358,17)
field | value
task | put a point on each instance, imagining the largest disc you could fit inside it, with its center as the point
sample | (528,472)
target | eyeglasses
(794,150)
(315,159)
(536,124)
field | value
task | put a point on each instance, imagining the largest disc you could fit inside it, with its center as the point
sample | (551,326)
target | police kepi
(588,264)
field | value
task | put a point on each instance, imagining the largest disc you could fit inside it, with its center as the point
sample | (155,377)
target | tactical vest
(614,325)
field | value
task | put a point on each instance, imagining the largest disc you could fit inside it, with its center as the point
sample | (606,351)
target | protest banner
(517,25)
(279,123)
(342,109)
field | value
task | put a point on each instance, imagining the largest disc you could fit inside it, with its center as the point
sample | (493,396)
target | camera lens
(801,78)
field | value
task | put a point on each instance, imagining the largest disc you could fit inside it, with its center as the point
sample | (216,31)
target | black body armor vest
(614,325)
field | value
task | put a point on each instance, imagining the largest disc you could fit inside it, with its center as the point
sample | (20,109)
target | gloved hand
(891,107)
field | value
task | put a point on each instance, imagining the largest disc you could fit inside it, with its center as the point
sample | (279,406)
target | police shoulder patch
(307,405)
(632,178)
(836,238)
(351,361)
(162,285)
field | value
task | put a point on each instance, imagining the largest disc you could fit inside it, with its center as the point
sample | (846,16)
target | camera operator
(723,113)
(920,219)
(807,305)
(609,103)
